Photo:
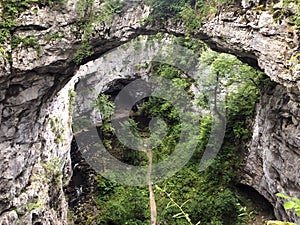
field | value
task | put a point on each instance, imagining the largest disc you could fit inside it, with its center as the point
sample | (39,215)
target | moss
(54,36)
(27,42)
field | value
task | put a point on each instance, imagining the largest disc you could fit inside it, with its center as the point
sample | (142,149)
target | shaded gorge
(191,196)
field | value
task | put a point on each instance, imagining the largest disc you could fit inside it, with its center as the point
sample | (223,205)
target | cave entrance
(83,188)
(263,210)
(84,185)
(101,83)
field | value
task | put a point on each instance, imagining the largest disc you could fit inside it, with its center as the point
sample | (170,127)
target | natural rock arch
(31,81)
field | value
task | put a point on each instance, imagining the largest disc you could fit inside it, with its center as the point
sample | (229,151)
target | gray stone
(272,163)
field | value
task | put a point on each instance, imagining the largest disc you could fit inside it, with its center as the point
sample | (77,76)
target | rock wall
(255,38)
(35,123)
(35,117)
(36,166)
(273,162)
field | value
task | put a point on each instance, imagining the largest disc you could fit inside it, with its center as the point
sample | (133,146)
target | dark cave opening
(263,208)
(83,185)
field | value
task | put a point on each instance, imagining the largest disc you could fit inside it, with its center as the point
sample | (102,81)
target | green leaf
(280,195)
(289,205)
(170,204)
(297,211)
(178,215)
(297,200)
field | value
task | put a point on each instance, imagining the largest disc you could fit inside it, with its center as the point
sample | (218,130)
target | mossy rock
(279,223)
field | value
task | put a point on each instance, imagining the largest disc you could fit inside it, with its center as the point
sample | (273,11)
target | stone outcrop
(35,121)
(255,38)
(272,164)
(35,117)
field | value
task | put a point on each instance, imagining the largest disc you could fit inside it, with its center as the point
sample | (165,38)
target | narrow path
(151,195)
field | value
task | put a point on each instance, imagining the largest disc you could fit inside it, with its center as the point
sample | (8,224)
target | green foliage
(89,15)
(122,205)
(110,8)
(197,199)
(58,129)
(191,19)
(10,11)
(35,205)
(292,203)
(53,169)
(84,51)
(173,203)
(30,205)
(287,9)
(72,96)
(166,8)
(194,12)
(190,196)
(54,36)
(244,212)
(240,81)
(191,12)
(50,2)
(105,106)
(28,41)
(193,16)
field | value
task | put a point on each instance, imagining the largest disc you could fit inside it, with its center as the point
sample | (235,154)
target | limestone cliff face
(35,114)
(273,163)
(35,132)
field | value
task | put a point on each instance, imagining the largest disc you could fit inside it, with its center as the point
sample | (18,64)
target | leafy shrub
(166,8)
(207,196)
(191,12)
(292,203)
(122,205)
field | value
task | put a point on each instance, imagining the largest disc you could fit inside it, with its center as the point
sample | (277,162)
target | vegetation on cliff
(194,12)
(9,12)
(190,196)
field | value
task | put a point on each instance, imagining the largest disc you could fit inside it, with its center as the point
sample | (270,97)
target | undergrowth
(190,196)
